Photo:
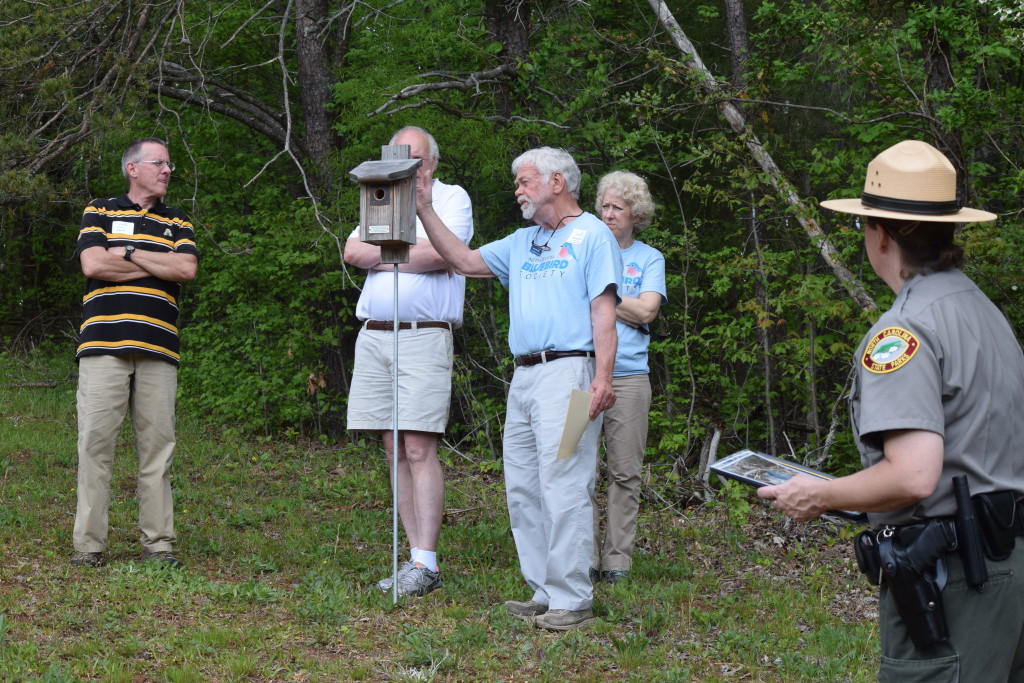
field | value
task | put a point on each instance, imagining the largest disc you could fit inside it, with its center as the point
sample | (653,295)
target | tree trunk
(739,46)
(508,22)
(314,82)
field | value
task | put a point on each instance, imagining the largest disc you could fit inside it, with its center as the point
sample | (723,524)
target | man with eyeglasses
(135,252)
(562,275)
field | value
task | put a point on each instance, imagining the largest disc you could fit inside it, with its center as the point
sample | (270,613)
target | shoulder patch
(889,350)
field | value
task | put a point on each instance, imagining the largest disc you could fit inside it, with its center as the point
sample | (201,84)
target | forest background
(741,114)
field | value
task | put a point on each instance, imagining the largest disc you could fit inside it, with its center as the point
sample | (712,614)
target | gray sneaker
(386,583)
(564,619)
(614,576)
(525,610)
(418,581)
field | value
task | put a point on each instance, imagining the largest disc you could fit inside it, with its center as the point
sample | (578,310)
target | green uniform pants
(986,630)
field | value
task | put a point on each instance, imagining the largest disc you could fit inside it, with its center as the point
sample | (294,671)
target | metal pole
(394,447)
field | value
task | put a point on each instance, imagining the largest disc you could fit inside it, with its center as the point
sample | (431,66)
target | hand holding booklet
(760,469)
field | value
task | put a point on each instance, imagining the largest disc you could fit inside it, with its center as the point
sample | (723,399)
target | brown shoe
(164,556)
(88,560)
(564,619)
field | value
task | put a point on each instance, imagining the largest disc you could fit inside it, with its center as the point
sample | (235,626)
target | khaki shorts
(424,380)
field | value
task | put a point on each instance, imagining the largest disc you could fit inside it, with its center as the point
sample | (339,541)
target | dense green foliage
(759,331)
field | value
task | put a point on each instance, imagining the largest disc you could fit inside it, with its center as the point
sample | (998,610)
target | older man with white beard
(562,275)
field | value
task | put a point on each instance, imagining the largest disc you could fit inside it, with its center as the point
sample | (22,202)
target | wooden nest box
(387,202)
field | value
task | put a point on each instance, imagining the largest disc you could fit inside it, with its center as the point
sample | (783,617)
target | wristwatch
(128,251)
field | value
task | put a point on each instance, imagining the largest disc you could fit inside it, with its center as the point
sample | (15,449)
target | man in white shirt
(430,300)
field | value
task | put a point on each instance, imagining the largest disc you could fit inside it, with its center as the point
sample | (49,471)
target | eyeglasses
(538,249)
(159,163)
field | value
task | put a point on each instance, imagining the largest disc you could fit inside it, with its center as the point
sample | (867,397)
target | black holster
(914,568)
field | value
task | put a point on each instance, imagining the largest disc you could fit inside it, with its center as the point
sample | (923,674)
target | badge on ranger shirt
(889,350)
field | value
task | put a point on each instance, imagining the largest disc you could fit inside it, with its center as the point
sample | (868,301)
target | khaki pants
(625,438)
(108,386)
(549,499)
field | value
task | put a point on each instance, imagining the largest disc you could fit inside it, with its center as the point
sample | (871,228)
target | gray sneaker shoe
(419,581)
(525,610)
(614,576)
(564,619)
(88,560)
(386,583)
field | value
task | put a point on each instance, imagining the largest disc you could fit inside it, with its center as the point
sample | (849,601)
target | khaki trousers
(549,499)
(108,386)
(625,439)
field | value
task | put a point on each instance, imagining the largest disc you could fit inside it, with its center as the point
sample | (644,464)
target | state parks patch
(889,350)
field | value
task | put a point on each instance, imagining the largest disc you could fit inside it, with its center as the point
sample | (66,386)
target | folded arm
(638,311)
(111,266)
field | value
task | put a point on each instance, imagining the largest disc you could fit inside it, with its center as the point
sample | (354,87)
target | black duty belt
(548,356)
(387,325)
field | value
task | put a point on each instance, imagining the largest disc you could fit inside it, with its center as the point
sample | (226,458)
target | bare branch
(245,23)
(470,81)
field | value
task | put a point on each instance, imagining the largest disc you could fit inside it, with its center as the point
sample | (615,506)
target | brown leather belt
(387,325)
(546,356)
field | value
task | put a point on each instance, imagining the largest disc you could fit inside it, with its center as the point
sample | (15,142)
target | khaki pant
(108,386)
(549,499)
(625,438)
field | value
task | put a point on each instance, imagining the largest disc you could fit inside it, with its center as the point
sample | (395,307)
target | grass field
(283,540)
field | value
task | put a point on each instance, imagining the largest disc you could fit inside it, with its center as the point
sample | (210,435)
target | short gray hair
(434,150)
(134,154)
(634,190)
(548,160)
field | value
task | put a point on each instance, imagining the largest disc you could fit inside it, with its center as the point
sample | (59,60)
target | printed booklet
(760,469)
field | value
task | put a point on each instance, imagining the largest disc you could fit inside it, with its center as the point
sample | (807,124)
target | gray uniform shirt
(943,359)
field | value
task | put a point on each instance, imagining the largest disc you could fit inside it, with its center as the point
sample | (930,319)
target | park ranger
(937,409)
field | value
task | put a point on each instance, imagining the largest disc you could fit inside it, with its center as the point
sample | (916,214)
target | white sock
(428,558)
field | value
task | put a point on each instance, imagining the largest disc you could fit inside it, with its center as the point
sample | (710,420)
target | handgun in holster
(915,572)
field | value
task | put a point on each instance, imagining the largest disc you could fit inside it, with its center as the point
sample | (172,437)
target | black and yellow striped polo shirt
(139,316)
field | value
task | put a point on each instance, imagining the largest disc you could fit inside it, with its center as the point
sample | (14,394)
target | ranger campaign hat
(910,181)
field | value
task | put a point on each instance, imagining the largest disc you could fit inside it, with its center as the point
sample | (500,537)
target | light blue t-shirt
(643,270)
(550,294)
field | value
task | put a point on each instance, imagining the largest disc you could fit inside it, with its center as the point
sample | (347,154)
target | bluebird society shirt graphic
(550,293)
(545,266)
(633,276)
(890,350)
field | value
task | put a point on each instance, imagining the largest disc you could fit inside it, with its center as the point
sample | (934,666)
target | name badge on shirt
(122,228)
(577,236)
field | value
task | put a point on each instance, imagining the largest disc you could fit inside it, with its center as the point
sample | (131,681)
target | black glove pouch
(998,520)
(865,548)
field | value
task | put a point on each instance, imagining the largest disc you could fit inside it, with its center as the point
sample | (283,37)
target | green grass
(283,540)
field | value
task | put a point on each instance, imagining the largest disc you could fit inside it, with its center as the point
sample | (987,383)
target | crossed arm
(639,311)
(109,265)
(423,258)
